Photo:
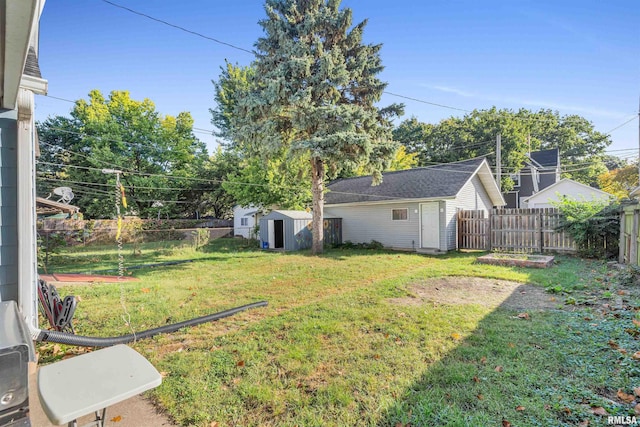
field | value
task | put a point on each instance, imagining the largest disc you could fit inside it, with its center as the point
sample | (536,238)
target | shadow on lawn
(527,369)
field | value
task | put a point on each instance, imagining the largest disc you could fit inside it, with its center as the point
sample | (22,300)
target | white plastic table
(93,381)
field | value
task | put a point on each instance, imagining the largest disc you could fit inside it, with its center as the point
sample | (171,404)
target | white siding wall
(450,228)
(362,224)
(568,189)
(473,196)
(239,213)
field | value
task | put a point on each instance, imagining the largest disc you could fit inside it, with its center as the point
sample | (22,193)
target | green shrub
(593,225)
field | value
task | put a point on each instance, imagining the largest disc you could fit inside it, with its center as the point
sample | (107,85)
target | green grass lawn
(334,349)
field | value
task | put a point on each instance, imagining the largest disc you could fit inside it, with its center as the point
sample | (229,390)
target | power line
(46,178)
(623,124)
(426,102)
(186,30)
(252,52)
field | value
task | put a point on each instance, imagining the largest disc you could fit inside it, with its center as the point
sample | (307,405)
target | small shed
(291,230)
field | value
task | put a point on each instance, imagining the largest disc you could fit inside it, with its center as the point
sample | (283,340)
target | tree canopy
(159,156)
(619,182)
(581,146)
(311,95)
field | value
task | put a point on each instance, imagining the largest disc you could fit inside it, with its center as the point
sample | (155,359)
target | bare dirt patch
(473,290)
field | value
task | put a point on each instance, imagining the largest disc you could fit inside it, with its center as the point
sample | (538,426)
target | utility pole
(499,161)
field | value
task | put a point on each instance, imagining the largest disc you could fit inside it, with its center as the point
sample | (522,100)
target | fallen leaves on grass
(524,316)
(57,350)
(628,398)
(636,322)
(636,355)
(499,368)
(614,345)
(456,336)
(599,410)
(145,290)
(506,423)
(636,409)
(116,419)
(240,363)
(584,423)
(520,408)
(483,360)
(636,391)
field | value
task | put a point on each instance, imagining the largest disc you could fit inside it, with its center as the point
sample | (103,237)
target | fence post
(633,253)
(490,230)
(541,230)
(459,228)
(622,244)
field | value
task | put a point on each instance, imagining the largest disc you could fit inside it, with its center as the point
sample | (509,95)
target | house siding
(8,206)
(473,196)
(245,231)
(364,223)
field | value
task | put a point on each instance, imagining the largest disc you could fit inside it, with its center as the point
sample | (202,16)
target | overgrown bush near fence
(593,225)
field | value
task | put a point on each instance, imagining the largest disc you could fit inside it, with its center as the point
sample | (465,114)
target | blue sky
(576,57)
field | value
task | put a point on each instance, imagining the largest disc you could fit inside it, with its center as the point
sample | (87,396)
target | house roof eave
(552,186)
(19,17)
(391,201)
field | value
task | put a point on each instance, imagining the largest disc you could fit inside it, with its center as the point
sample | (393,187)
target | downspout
(26,225)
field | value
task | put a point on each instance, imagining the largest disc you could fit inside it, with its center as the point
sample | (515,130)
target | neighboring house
(19,79)
(413,209)
(245,220)
(565,188)
(291,230)
(541,170)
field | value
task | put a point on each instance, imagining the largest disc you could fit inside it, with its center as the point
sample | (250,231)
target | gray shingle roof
(418,183)
(546,158)
(31,66)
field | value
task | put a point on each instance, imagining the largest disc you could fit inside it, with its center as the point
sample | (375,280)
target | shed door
(430,223)
(278,231)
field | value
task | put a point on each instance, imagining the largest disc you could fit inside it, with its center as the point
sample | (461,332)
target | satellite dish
(65,194)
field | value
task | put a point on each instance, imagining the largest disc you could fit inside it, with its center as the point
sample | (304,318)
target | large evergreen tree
(313,94)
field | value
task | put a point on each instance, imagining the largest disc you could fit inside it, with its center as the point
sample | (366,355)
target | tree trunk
(317,190)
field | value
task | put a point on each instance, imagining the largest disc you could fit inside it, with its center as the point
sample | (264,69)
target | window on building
(244,222)
(399,214)
(515,177)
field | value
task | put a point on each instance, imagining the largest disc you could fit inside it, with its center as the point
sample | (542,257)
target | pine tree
(313,94)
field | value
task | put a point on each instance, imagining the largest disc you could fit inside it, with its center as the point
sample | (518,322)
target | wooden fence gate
(513,230)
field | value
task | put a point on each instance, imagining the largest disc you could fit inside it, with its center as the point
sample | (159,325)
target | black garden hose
(79,340)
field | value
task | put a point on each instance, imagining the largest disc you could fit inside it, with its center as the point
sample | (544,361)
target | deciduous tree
(619,182)
(457,138)
(121,133)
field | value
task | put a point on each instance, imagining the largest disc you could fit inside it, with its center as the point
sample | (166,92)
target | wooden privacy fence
(513,230)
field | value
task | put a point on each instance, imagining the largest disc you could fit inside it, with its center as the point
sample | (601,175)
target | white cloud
(450,89)
(561,107)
